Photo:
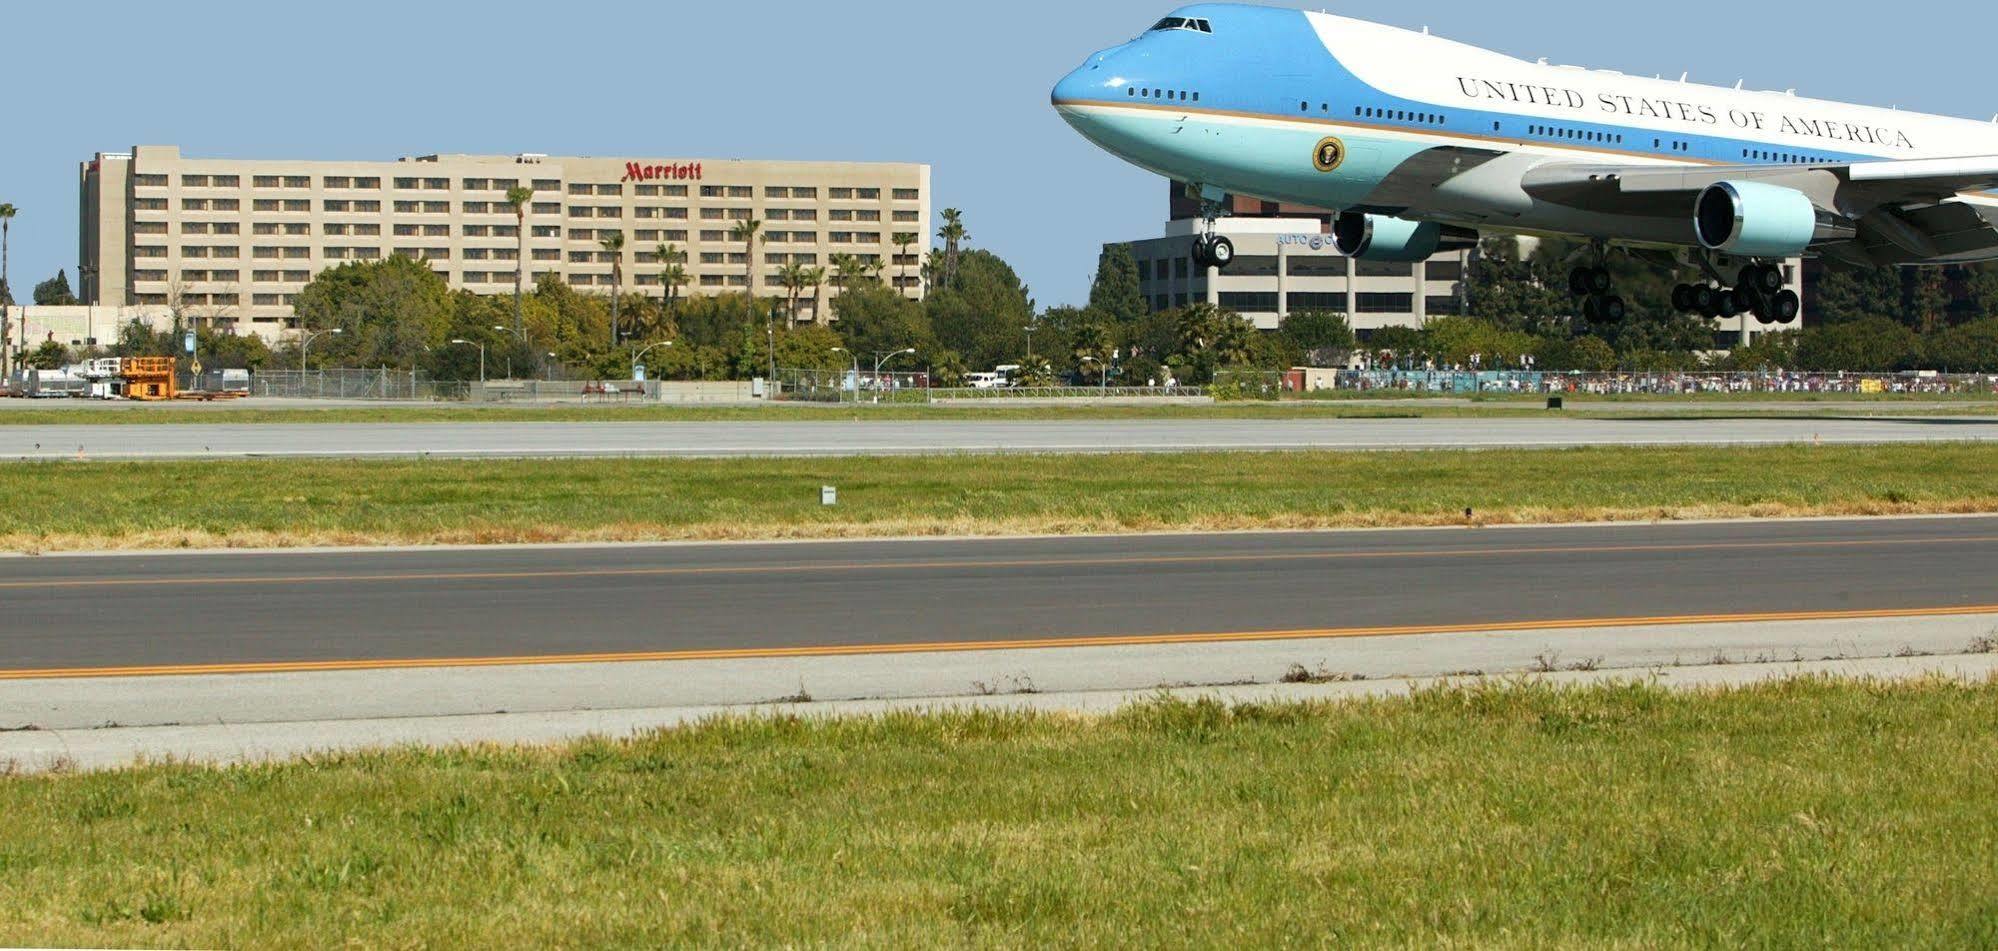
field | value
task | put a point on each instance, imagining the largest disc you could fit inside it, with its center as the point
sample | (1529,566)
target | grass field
(1804,814)
(64,505)
(1342,406)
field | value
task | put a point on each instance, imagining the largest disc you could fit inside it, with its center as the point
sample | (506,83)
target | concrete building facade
(231,242)
(1283,265)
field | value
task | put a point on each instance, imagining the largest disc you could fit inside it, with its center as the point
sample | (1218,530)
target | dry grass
(1808,813)
(280,503)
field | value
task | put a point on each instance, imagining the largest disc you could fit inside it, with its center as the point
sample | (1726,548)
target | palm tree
(615,246)
(903,239)
(815,278)
(952,234)
(674,275)
(518,198)
(792,276)
(746,232)
(6,222)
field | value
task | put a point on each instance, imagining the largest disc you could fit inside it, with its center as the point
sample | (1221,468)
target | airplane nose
(1088,82)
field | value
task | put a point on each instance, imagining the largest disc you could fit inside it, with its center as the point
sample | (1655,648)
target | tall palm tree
(518,198)
(953,234)
(792,276)
(903,239)
(673,275)
(815,278)
(615,245)
(746,231)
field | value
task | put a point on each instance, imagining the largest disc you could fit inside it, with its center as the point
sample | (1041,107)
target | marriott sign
(640,172)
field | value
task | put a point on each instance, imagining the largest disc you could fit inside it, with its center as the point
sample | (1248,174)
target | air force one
(1420,143)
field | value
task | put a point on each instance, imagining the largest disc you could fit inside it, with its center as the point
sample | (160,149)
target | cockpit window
(1183,23)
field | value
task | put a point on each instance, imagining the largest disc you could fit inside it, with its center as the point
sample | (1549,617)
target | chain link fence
(355,384)
(1652,384)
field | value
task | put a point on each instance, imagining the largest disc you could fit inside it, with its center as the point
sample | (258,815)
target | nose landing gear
(1210,249)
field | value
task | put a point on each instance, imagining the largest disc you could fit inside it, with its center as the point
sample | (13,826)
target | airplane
(1419,144)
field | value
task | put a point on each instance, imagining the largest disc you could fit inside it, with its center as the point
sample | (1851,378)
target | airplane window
(1196,97)
(1203,26)
(1174,23)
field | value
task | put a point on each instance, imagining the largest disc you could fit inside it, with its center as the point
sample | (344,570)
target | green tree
(1770,351)
(1965,348)
(1403,346)
(1321,337)
(49,356)
(614,246)
(903,241)
(747,231)
(873,318)
(55,291)
(954,235)
(1212,339)
(792,276)
(7,213)
(518,197)
(1980,282)
(1115,293)
(1928,299)
(672,274)
(1875,343)
(815,278)
(1845,294)
(983,315)
(1517,293)
(388,311)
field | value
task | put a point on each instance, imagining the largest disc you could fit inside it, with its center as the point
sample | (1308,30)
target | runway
(145,615)
(847,438)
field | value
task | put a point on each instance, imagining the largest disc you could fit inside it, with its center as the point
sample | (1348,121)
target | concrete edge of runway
(893,539)
(224,719)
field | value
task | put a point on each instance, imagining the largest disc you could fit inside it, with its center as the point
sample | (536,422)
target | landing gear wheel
(1599,280)
(1592,310)
(1724,305)
(1706,300)
(1764,278)
(1578,282)
(1785,307)
(1683,300)
(1220,252)
(1746,301)
(1612,310)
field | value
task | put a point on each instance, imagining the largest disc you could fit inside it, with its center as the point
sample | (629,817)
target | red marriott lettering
(635,172)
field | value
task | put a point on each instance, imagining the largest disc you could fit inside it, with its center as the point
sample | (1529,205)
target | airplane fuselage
(1343,114)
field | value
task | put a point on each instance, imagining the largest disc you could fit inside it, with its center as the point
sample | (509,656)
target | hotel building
(232,242)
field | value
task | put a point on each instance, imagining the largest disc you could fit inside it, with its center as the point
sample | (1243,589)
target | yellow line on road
(1105,561)
(1133,640)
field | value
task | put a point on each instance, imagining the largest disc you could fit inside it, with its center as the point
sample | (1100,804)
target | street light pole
(482,356)
(640,355)
(878,361)
(306,341)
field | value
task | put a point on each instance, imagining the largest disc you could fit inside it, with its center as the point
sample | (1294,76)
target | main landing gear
(1599,304)
(1759,290)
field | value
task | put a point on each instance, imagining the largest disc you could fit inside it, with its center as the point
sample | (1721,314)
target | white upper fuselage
(1417,126)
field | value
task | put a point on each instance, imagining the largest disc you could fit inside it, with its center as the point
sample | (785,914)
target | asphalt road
(250,612)
(528,439)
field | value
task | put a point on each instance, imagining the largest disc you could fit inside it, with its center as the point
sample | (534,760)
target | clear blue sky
(369,79)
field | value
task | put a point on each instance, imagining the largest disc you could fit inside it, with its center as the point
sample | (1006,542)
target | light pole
(1030,344)
(482,356)
(880,359)
(306,341)
(640,355)
(856,373)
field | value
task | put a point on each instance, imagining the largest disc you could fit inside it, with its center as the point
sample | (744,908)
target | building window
(1379,303)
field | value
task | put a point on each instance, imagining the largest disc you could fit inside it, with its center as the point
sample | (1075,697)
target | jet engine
(1754,220)
(1382,238)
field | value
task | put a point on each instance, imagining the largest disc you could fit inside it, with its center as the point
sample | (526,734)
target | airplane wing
(1924,208)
